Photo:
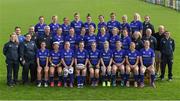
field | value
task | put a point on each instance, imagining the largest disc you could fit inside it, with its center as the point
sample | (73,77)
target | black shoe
(10,85)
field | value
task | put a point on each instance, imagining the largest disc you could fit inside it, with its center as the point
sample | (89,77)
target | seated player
(94,64)
(118,63)
(55,64)
(81,60)
(106,62)
(132,61)
(42,56)
(147,59)
(67,58)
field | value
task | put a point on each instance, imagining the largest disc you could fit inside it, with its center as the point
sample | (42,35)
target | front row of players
(105,63)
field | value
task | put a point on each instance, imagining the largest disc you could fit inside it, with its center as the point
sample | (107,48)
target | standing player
(88,23)
(77,24)
(55,65)
(115,37)
(106,62)
(136,24)
(67,58)
(125,24)
(91,37)
(101,38)
(81,37)
(54,25)
(94,64)
(71,38)
(101,24)
(113,23)
(147,59)
(42,58)
(126,40)
(59,38)
(65,27)
(132,62)
(39,28)
(81,60)
(118,63)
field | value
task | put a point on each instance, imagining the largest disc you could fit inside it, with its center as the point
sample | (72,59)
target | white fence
(174,4)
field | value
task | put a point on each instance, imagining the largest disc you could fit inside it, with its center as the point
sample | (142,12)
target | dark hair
(17,27)
(76,13)
(113,13)
(101,15)
(41,17)
(88,15)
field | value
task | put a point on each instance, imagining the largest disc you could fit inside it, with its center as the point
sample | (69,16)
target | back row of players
(116,46)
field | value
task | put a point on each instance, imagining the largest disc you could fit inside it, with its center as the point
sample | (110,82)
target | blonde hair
(138,16)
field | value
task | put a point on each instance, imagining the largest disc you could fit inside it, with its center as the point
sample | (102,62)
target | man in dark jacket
(28,58)
(167,47)
(11,51)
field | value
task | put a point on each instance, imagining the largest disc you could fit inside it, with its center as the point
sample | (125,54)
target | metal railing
(174,4)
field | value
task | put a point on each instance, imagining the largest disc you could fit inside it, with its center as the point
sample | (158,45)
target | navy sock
(65,79)
(135,77)
(141,78)
(123,77)
(127,77)
(92,79)
(83,79)
(71,78)
(152,78)
(113,77)
(78,79)
(38,81)
(103,78)
(51,78)
(60,78)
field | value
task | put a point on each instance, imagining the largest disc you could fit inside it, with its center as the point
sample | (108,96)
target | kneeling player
(106,62)
(118,63)
(55,62)
(147,59)
(94,62)
(67,58)
(81,60)
(42,56)
(132,60)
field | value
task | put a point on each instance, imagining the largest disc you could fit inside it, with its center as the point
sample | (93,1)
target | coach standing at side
(11,51)
(167,46)
(28,58)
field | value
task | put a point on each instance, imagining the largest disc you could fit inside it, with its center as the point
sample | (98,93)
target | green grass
(25,12)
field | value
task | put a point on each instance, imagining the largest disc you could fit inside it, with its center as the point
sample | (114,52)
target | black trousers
(166,60)
(29,66)
(12,71)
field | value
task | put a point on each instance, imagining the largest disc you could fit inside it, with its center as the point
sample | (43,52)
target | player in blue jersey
(67,58)
(101,24)
(42,56)
(54,25)
(91,37)
(106,63)
(65,27)
(39,28)
(101,38)
(71,38)
(147,59)
(126,40)
(81,37)
(88,23)
(115,37)
(132,61)
(55,65)
(136,24)
(94,64)
(125,24)
(77,24)
(81,61)
(59,38)
(118,63)
(113,23)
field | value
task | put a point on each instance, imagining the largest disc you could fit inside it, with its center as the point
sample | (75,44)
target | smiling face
(41,19)
(54,19)
(93,45)
(56,46)
(132,46)
(118,44)
(28,37)
(67,45)
(101,18)
(43,45)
